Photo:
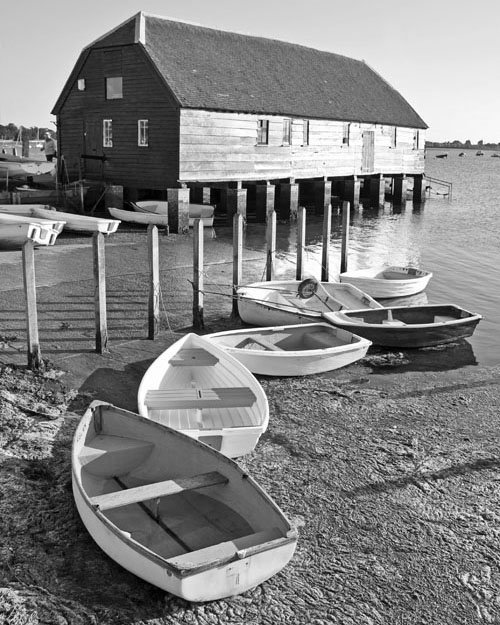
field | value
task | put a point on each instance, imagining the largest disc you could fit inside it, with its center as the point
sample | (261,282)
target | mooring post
(237,259)
(270,244)
(346,211)
(101,328)
(325,255)
(301,242)
(154,282)
(34,354)
(198,323)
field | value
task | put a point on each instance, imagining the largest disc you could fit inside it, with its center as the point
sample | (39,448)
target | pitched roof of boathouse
(213,69)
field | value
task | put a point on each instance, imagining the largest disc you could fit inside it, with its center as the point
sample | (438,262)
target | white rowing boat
(388,282)
(53,224)
(302,349)
(204,212)
(136,217)
(74,222)
(14,235)
(172,511)
(197,388)
(287,302)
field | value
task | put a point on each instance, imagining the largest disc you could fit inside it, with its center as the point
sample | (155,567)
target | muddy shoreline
(389,467)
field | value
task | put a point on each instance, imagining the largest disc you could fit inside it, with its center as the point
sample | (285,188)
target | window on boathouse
(346,132)
(107,133)
(262,132)
(143,132)
(416,140)
(287,131)
(394,137)
(305,132)
(114,88)
(81,84)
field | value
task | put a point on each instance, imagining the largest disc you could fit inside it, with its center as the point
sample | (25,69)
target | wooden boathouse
(159,107)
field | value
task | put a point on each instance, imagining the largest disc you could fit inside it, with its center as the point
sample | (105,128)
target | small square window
(305,132)
(143,132)
(346,132)
(81,84)
(287,131)
(114,88)
(262,132)
(107,133)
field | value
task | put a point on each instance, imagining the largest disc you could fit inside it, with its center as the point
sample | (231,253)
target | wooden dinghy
(289,302)
(387,282)
(74,222)
(52,224)
(136,217)
(204,212)
(302,349)
(13,236)
(408,326)
(172,511)
(199,389)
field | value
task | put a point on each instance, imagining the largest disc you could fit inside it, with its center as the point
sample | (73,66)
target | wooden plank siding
(145,96)
(217,146)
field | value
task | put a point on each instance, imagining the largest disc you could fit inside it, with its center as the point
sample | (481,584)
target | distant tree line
(11,132)
(459,144)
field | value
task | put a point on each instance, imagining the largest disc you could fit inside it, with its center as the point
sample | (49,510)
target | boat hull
(14,236)
(411,326)
(142,218)
(313,348)
(233,430)
(73,222)
(389,282)
(213,571)
(277,302)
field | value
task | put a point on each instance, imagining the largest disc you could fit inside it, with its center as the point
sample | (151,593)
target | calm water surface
(458,240)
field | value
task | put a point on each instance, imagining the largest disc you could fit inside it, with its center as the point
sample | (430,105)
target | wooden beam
(325,255)
(237,259)
(34,354)
(101,328)
(154,282)
(198,269)
(270,245)
(346,211)
(301,242)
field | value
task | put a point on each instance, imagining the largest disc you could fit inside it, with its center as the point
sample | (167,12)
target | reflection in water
(458,240)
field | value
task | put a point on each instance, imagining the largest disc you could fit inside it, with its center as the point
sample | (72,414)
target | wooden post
(325,256)
(270,245)
(101,328)
(346,210)
(301,242)
(237,259)
(34,354)
(154,282)
(198,323)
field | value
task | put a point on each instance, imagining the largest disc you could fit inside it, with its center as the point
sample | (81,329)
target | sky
(441,55)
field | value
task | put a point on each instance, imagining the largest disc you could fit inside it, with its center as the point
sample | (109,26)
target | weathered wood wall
(144,97)
(223,146)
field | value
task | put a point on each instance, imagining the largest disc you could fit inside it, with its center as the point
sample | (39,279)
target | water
(458,240)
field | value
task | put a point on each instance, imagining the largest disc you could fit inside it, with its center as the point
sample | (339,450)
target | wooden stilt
(301,242)
(154,282)
(346,211)
(34,353)
(325,256)
(101,328)
(198,269)
(237,259)
(270,245)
